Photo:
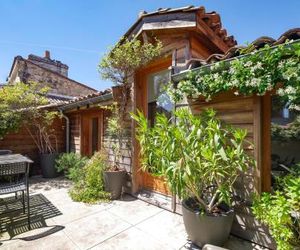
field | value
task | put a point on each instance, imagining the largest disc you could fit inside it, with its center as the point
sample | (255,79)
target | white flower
(290,90)
(231,70)
(216,76)
(280,92)
(235,83)
(281,64)
(258,65)
(270,87)
(253,82)
(248,64)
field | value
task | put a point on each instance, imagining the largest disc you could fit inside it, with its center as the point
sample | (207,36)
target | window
(95,134)
(285,138)
(158,99)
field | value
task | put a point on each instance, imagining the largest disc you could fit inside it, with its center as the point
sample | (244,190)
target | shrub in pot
(114,175)
(43,135)
(119,66)
(200,158)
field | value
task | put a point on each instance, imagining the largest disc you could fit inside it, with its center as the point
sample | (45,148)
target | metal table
(13,158)
(16,168)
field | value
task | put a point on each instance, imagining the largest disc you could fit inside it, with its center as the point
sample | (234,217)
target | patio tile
(133,210)
(131,239)
(166,227)
(46,186)
(60,197)
(34,240)
(72,211)
(91,230)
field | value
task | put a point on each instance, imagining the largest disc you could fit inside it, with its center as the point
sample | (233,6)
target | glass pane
(95,134)
(158,99)
(285,138)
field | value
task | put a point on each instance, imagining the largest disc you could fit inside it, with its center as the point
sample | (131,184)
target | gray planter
(47,162)
(113,182)
(206,229)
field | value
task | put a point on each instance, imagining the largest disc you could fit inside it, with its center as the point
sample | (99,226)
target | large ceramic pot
(113,182)
(206,229)
(47,162)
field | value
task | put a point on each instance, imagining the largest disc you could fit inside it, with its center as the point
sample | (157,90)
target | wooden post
(257,132)
(266,144)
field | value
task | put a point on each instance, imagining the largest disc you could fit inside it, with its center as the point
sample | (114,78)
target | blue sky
(79,32)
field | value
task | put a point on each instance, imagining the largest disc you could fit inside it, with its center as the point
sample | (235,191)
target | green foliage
(117,132)
(255,73)
(90,187)
(119,64)
(71,164)
(276,210)
(13,100)
(21,105)
(200,157)
(286,133)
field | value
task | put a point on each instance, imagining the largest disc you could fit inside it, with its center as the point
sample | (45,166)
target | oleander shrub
(199,156)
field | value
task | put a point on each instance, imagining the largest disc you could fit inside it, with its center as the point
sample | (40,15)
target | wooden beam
(210,34)
(257,133)
(266,143)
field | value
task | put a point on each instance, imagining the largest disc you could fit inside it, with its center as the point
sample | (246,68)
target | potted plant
(119,66)
(200,158)
(114,175)
(39,128)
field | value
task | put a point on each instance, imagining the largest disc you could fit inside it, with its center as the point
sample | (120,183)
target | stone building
(53,74)
(47,71)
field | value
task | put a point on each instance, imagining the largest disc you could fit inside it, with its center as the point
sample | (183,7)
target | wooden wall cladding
(22,143)
(75,121)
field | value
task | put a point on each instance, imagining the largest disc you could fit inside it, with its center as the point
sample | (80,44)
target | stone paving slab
(60,223)
(131,239)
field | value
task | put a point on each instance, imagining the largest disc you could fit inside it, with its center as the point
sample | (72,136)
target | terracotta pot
(206,229)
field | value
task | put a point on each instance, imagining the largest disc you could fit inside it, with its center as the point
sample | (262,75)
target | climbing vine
(256,72)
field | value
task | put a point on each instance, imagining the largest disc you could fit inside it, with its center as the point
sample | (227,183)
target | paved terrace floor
(60,223)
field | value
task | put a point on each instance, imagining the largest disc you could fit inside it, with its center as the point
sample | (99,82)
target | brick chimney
(47,54)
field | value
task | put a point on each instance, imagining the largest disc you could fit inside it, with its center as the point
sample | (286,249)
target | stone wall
(27,71)
(50,64)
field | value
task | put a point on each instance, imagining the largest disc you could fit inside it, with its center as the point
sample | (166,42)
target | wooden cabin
(191,37)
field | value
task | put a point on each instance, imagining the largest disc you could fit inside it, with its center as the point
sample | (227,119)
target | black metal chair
(14,179)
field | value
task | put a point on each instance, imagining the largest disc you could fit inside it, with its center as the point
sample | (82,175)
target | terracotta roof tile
(292,34)
(212,19)
(86,97)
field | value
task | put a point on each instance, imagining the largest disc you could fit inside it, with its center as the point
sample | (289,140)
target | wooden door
(147,101)
(91,133)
